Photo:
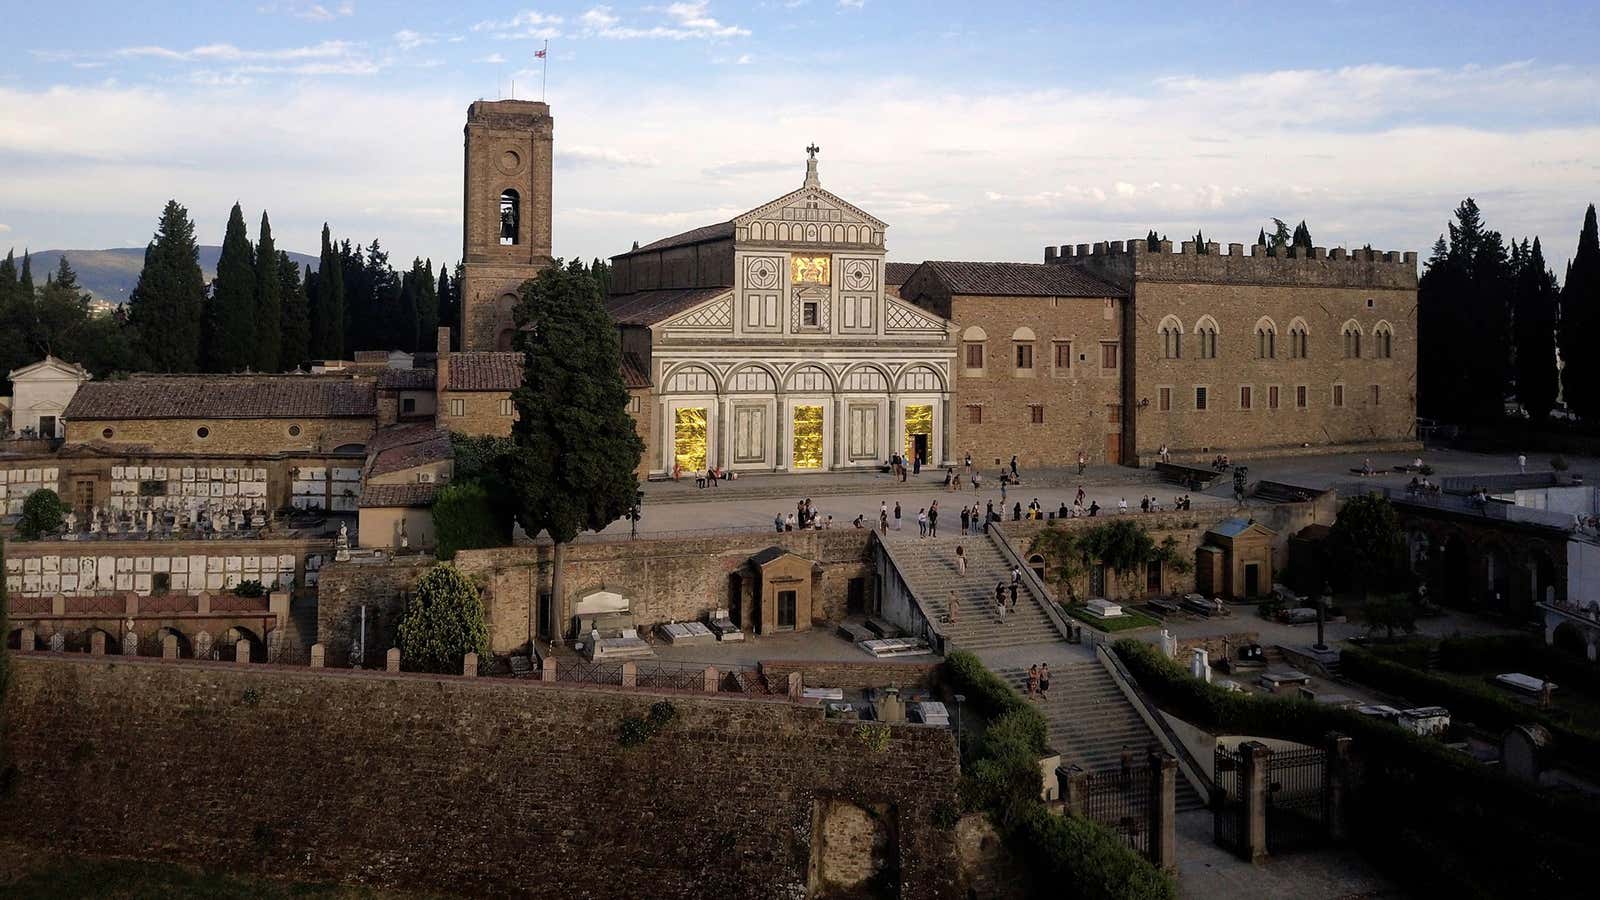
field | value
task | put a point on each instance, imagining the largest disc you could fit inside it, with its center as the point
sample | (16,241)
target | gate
(1228,826)
(1121,802)
(1297,799)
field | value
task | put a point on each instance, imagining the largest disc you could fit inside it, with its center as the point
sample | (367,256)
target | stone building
(771,345)
(40,394)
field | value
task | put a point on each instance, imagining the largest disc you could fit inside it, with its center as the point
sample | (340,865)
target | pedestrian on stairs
(961,561)
(1013,467)
(1000,600)
(897,515)
(1013,596)
(933,519)
(955,606)
(1044,680)
(966,519)
(883,520)
(922,523)
(1033,681)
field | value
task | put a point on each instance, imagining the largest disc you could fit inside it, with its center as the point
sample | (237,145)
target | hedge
(1520,653)
(1417,796)
(1002,778)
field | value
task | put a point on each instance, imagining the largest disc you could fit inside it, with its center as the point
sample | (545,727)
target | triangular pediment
(808,199)
(905,317)
(715,314)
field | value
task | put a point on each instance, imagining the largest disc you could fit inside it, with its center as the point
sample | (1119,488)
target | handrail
(1152,716)
(939,641)
(1041,592)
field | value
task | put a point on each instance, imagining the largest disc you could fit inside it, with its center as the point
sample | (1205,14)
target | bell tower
(506,219)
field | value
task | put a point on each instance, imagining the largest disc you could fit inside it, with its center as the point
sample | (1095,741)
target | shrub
(991,696)
(873,737)
(1559,463)
(1064,850)
(250,588)
(442,622)
(466,517)
(42,514)
(636,730)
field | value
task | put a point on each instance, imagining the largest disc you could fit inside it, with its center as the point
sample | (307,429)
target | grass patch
(1129,620)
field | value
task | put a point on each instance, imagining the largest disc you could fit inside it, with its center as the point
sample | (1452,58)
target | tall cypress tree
(294,333)
(427,308)
(1302,236)
(1535,332)
(167,303)
(13,322)
(1464,352)
(26,281)
(403,333)
(327,305)
(269,300)
(1580,315)
(230,332)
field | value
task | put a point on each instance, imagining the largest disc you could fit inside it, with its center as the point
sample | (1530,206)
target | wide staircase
(928,566)
(1092,722)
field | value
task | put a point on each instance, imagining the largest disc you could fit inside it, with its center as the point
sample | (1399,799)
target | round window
(202,431)
(294,431)
(106,434)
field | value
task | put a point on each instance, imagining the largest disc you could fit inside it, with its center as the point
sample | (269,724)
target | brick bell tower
(506,221)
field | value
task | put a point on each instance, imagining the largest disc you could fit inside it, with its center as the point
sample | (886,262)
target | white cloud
(852,4)
(231,53)
(493,59)
(684,21)
(519,22)
(406,39)
(317,12)
(599,17)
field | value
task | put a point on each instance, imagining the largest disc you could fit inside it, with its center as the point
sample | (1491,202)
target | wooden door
(1114,449)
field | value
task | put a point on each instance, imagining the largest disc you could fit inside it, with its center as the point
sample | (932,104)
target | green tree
(447,313)
(575,459)
(427,305)
(1534,330)
(1064,558)
(1389,614)
(1580,318)
(168,301)
(1367,546)
(294,333)
(269,301)
(1200,241)
(1464,323)
(42,514)
(442,622)
(466,517)
(327,304)
(1302,236)
(228,343)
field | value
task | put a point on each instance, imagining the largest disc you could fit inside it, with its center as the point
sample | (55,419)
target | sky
(980,131)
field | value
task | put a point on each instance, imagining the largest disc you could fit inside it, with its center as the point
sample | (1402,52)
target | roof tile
(1014,279)
(224,397)
(393,495)
(485,370)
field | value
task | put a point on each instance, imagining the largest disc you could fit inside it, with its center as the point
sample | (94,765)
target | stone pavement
(1208,872)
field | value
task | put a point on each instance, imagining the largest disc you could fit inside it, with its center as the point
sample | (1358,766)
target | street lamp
(960,698)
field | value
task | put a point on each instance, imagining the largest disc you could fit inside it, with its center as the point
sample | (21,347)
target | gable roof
(225,397)
(397,495)
(406,380)
(635,375)
(51,362)
(485,370)
(808,188)
(1232,528)
(434,447)
(719,231)
(898,272)
(650,307)
(1013,279)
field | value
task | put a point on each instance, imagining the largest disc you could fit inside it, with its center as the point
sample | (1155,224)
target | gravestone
(130,644)
(1200,664)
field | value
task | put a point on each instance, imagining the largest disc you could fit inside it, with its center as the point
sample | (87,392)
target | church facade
(771,344)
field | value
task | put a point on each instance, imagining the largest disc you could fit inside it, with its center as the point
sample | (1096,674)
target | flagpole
(545,70)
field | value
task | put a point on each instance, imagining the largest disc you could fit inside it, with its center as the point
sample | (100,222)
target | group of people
(899,466)
(1153,504)
(927,519)
(1220,462)
(712,476)
(805,516)
(1039,681)
(1421,485)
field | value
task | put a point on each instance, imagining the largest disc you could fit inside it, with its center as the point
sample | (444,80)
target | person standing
(1013,596)
(1083,461)
(1165,456)
(777,523)
(1033,680)
(1522,463)
(1002,492)
(955,606)
(897,515)
(977,482)
(789,525)
(1044,680)
(922,523)
(961,561)
(1013,467)
(933,519)
(966,519)
(1078,500)
(969,462)
(1144,504)
(1000,600)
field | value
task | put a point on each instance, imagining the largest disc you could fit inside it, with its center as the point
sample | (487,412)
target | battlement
(1122,261)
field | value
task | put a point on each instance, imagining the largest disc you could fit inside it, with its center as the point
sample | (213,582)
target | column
(1074,784)
(719,455)
(1163,812)
(1257,760)
(1339,786)
(838,428)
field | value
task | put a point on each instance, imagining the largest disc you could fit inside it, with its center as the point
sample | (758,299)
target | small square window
(1200,398)
(1272,397)
(458,407)
(1024,356)
(808,314)
(1063,354)
(974,414)
(408,405)
(506,407)
(633,404)
(1244,397)
(1164,400)
(1108,355)
(1036,414)
(974,356)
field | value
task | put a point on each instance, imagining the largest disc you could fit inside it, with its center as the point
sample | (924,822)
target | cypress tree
(294,337)
(167,303)
(1580,310)
(26,281)
(1464,350)
(404,330)
(1302,236)
(1534,325)
(446,311)
(458,283)
(229,342)
(427,307)
(327,305)
(1261,239)
(13,325)
(572,464)
(269,301)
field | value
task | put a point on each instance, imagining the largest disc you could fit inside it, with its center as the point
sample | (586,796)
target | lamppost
(960,698)
(633,514)
(1322,615)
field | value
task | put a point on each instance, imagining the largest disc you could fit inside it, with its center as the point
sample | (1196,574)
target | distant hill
(110,275)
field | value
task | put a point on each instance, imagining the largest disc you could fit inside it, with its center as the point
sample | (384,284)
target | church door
(786,609)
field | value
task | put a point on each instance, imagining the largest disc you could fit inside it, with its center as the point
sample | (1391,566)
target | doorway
(1252,579)
(1114,449)
(786,605)
(735,608)
(47,426)
(856,596)
(919,432)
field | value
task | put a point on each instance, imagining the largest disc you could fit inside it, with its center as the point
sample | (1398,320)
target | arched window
(1171,338)
(1383,341)
(510,217)
(1206,332)
(1352,340)
(1266,339)
(1022,341)
(1299,346)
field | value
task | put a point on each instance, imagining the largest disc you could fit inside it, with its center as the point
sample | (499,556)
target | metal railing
(1121,801)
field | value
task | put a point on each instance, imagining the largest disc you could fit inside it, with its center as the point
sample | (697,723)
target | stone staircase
(1092,722)
(928,566)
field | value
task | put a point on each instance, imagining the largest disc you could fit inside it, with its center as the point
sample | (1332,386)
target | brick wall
(225,436)
(852,675)
(342,589)
(482,412)
(474,786)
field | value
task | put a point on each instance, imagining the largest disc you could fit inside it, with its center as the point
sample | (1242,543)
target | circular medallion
(510,162)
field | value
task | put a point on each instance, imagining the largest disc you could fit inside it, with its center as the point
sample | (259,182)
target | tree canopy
(228,342)
(1367,545)
(1580,319)
(442,622)
(167,304)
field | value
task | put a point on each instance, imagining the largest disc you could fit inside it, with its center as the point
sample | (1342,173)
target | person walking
(977,482)
(922,523)
(1144,504)
(1013,467)
(1044,681)
(966,520)
(1013,596)
(1083,461)
(1033,680)
(897,515)
(969,462)
(1002,491)
(1078,500)
(777,523)
(1000,600)
(955,606)
(1522,463)
(933,519)
(961,561)
(883,521)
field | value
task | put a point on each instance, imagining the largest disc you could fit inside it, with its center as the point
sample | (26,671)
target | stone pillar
(547,671)
(319,655)
(26,644)
(391,660)
(1339,786)
(630,674)
(711,679)
(1164,812)
(204,601)
(130,604)
(169,647)
(278,605)
(241,652)
(97,644)
(796,685)
(1074,789)
(1257,759)
(58,604)
(469,665)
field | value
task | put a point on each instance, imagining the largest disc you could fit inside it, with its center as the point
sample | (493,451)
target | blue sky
(977,130)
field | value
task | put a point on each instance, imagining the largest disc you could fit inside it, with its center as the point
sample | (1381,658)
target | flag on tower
(538,54)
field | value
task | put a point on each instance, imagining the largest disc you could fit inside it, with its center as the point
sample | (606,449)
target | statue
(94,522)
(341,544)
(405,539)
(149,521)
(70,520)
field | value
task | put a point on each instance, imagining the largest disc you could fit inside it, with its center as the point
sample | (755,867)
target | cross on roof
(813,150)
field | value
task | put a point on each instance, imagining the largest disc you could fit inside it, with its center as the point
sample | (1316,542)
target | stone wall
(674,579)
(482,412)
(852,675)
(342,589)
(88,568)
(474,786)
(224,436)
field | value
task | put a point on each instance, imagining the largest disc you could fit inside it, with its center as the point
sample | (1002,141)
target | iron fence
(1122,801)
(96,605)
(671,676)
(589,672)
(1297,799)
(1228,827)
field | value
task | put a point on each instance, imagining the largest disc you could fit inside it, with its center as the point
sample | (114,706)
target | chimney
(441,378)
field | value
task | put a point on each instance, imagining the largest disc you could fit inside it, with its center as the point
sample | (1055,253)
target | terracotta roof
(397,435)
(1011,279)
(485,370)
(719,231)
(897,273)
(650,307)
(406,380)
(224,397)
(372,356)
(433,448)
(393,495)
(634,374)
